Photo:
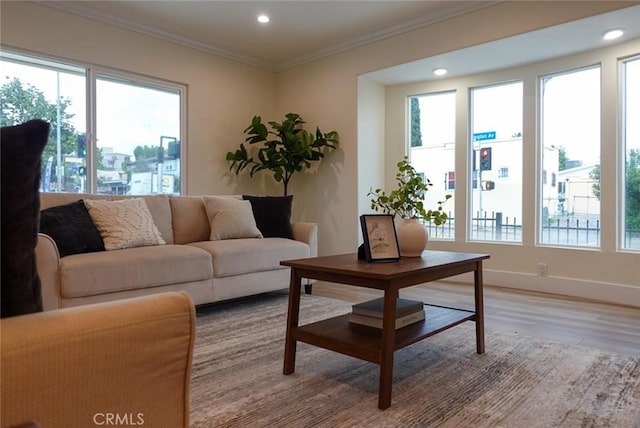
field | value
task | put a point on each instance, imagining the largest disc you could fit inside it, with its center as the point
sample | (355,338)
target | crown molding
(76,8)
(79,10)
(462,8)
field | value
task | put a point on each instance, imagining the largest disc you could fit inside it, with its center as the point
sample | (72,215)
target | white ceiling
(540,45)
(304,30)
(299,31)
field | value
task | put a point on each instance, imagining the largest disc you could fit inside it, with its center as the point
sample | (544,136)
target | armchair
(127,361)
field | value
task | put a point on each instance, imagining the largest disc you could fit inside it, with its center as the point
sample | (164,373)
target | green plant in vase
(406,202)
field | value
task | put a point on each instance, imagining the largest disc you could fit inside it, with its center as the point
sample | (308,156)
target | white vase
(412,237)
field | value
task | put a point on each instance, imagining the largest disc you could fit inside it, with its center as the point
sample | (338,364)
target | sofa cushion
(124,224)
(132,268)
(161,212)
(71,227)
(20,151)
(272,214)
(230,218)
(240,256)
(190,222)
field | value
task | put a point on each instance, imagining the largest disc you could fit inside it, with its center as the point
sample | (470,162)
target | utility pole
(59,167)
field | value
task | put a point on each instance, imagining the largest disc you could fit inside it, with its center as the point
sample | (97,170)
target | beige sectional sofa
(209,271)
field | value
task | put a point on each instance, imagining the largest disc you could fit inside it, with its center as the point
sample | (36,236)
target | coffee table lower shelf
(339,335)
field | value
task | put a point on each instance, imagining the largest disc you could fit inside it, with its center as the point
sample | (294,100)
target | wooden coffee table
(375,345)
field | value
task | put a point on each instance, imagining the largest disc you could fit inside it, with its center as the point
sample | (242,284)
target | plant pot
(412,237)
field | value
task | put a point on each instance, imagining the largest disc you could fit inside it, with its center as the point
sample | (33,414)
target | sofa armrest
(307,233)
(48,266)
(76,366)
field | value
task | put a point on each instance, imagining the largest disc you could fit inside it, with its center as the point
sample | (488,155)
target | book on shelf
(403,321)
(373,308)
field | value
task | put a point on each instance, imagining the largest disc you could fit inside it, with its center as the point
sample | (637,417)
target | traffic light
(173,151)
(82,146)
(489,185)
(485,159)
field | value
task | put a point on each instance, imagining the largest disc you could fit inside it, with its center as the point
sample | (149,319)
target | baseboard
(619,294)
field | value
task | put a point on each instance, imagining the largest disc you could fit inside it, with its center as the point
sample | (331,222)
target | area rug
(520,381)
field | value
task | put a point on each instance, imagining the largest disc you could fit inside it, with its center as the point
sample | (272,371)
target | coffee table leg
(479,308)
(293,313)
(387,348)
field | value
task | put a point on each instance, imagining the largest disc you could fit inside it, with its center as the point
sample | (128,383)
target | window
(432,151)
(134,147)
(561,190)
(631,149)
(137,153)
(570,130)
(450,180)
(56,93)
(496,128)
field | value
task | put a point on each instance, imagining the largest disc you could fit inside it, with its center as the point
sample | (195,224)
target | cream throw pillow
(230,218)
(124,223)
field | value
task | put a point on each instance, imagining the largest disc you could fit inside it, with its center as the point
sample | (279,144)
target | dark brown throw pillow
(272,215)
(71,227)
(21,147)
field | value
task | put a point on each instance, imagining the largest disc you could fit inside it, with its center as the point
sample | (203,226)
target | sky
(571,114)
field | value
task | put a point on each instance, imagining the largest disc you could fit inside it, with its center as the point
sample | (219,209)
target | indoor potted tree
(406,204)
(286,148)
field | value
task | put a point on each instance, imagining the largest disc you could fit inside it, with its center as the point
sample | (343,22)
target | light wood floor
(558,318)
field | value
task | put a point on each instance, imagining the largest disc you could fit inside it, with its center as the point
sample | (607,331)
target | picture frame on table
(380,238)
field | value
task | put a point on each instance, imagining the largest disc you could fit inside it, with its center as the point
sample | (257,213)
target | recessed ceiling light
(439,71)
(612,34)
(263,19)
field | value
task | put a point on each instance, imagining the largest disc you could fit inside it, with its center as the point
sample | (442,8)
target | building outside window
(131,147)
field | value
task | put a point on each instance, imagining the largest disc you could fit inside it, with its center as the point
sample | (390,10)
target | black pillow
(71,227)
(272,214)
(21,147)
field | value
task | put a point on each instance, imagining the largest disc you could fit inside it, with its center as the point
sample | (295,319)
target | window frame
(621,169)
(435,232)
(91,73)
(541,173)
(475,180)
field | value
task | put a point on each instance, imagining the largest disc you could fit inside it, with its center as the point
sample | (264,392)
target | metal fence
(631,239)
(571,231)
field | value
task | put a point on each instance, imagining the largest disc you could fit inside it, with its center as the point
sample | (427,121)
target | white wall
(371,160)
